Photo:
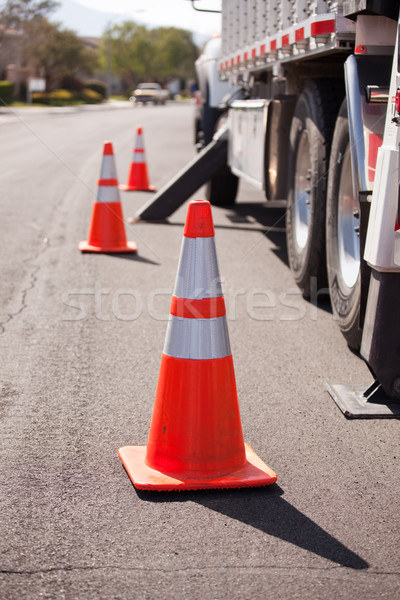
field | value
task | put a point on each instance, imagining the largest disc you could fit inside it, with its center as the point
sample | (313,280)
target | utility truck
(305,124)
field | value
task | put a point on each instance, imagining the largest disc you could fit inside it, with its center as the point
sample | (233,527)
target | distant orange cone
(138,177)
(195,439)
(107,229)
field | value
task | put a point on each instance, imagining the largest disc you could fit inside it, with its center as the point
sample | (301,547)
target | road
(81,339)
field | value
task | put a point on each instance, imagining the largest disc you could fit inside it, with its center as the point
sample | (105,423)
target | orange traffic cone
(138,177)
(195,439)
(107,229)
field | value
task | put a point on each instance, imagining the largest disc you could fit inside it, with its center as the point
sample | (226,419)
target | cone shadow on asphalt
(134,258)
(266,510)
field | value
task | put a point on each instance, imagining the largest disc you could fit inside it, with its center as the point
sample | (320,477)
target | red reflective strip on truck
(285,40)
(273,45)
(263,49)
(253,53)
(360,50)
(299,34)
(374,143)
(321,27)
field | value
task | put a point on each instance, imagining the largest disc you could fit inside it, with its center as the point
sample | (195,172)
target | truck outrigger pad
(200,169)
(356,402)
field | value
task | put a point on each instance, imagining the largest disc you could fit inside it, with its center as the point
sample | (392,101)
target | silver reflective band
(139,157)
(197,339)
(198,273)
(139,142)
(107,193)
(108,170)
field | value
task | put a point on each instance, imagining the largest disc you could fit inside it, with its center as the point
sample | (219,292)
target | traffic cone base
(107,230)
(130,247)
(254,473)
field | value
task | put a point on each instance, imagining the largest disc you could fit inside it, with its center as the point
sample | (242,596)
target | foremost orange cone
(138,177)
(195,439)
(107,229)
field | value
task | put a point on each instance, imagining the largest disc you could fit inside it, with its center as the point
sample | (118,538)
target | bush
(40,98)
(60,97)
(91,96)
(6,92)
(97,86)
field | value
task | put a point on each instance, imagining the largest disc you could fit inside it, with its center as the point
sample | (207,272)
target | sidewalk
(11,113)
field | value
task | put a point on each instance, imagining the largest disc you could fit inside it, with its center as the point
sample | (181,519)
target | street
(81,340)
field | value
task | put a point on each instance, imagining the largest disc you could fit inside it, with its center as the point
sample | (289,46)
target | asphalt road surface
(81,340)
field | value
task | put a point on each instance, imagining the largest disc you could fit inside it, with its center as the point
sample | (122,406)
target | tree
(127,52)
(55,53)
(18,12)
(135,53)
(174,52)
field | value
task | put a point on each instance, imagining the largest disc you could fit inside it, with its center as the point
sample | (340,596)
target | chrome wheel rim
(348,226)
(302,192)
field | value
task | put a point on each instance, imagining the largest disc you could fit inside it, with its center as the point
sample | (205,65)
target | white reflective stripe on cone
(197,339)
(108,170)
(139,142)
(107,193)
(198,273)
(139,157)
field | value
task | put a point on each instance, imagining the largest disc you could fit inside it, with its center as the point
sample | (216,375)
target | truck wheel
(222,189)
(310,136)
(343,235)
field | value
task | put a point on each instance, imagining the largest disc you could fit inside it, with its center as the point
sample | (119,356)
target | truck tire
(343,235)
(222,189)
(310,137)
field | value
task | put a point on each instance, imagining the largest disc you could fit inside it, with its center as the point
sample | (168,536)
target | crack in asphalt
(24,303)
(68,568)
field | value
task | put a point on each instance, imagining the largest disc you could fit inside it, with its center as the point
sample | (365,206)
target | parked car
(149,92)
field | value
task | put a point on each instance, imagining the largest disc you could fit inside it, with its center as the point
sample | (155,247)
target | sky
(74,14)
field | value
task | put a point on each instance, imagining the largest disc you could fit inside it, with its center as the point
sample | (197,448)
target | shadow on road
(272,220)
(135,257)
(252,216)
(266,510)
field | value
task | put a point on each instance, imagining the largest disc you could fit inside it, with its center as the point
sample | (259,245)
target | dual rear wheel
(323,216)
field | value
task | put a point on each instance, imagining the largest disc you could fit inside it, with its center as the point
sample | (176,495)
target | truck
(314,92)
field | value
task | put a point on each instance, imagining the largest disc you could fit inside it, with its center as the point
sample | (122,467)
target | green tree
(135,53)
(127,52)
(174,52)
(16,13)
(55,53)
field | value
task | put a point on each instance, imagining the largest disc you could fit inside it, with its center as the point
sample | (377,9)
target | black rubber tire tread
(222,189)
(345,301)
(316,110)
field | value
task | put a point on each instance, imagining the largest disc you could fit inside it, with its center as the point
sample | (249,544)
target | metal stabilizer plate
(357,402)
